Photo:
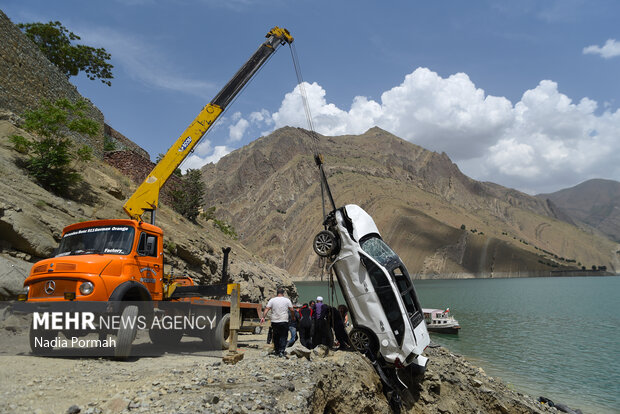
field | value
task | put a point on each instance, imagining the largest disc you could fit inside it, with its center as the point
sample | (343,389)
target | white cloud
(541,143)
(240,126)
(237,129)
(443,114)
(204,154)
(261,117)
(142,61)
(610,49)
(554,142)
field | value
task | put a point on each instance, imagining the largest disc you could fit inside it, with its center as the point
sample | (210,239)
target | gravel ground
(193,381)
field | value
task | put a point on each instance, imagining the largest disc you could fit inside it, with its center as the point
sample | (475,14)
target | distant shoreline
(498,275)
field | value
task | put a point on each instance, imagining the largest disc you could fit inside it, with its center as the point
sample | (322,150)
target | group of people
(315,322)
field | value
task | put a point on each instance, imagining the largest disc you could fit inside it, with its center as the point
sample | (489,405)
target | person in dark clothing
(344,312)
(293,322)
(321,323)
(305,326)
(339,328)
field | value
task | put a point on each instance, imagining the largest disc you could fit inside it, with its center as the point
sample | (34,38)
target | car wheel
(363,341)
(325,244)
(126,333)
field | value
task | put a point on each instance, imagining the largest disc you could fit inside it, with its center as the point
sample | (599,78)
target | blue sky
(524,94)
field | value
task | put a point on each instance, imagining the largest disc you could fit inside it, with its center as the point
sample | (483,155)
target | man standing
(305,326)
(293,321)
(321,325)
(280,308)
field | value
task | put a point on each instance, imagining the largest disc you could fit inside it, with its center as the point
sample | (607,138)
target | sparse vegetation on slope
(51,157)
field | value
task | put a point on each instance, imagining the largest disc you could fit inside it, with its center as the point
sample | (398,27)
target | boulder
(13,272)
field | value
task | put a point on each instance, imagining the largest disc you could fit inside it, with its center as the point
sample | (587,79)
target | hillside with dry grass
(441,222)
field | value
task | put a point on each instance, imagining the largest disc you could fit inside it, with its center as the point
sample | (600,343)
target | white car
(387,317)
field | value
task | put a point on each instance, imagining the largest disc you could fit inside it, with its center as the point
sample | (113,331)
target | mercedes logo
(49,287)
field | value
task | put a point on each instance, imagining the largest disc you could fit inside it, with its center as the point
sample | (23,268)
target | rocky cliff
(440,221)
(32,219)
(27,77)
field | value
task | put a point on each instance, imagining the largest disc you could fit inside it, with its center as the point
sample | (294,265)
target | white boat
(440,321)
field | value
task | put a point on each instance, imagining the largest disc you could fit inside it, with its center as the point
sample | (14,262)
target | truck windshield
(378,250)
(102,240)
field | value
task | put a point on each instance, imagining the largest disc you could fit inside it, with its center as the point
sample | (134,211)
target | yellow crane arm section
(146,197)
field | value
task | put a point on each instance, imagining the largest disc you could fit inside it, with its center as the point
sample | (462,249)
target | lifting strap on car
(318,157)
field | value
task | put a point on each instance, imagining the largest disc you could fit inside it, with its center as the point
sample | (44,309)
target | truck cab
(102,260)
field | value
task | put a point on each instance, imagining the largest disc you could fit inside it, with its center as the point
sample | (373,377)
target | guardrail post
(233,356)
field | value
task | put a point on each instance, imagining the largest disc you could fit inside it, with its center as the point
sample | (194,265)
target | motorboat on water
(441,321)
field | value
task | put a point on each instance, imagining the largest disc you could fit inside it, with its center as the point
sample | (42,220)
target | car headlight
(26,290)
(86,288)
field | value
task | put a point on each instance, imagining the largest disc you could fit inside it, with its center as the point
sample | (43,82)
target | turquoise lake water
(552,337)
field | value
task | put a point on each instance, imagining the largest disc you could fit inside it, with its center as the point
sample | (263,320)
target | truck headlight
(86,288)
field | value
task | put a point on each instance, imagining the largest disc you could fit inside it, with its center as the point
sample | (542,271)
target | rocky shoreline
(194,381)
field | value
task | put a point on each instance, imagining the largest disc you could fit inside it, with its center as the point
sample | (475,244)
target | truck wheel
(222,332)
(325,244)
(363,341)
(39,338)
(166,338)
(126,333)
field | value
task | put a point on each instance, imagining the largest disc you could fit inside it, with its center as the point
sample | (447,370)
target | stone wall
(124,143)
(137,167)
(27,77)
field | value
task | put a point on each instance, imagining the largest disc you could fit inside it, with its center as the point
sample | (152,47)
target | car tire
(325,244)
(363,341)
(126,333)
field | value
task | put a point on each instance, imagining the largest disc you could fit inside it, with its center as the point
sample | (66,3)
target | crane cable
(318,158)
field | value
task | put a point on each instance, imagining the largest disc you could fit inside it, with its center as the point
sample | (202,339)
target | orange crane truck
(117,266)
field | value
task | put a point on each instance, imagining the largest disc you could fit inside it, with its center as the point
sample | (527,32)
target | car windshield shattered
(101,240)
(378,250)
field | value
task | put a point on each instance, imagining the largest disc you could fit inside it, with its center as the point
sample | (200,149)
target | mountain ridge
(594,202)
(269,187)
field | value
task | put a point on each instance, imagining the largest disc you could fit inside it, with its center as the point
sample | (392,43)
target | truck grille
(37,290)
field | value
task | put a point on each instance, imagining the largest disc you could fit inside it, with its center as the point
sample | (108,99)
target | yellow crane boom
(146,196)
